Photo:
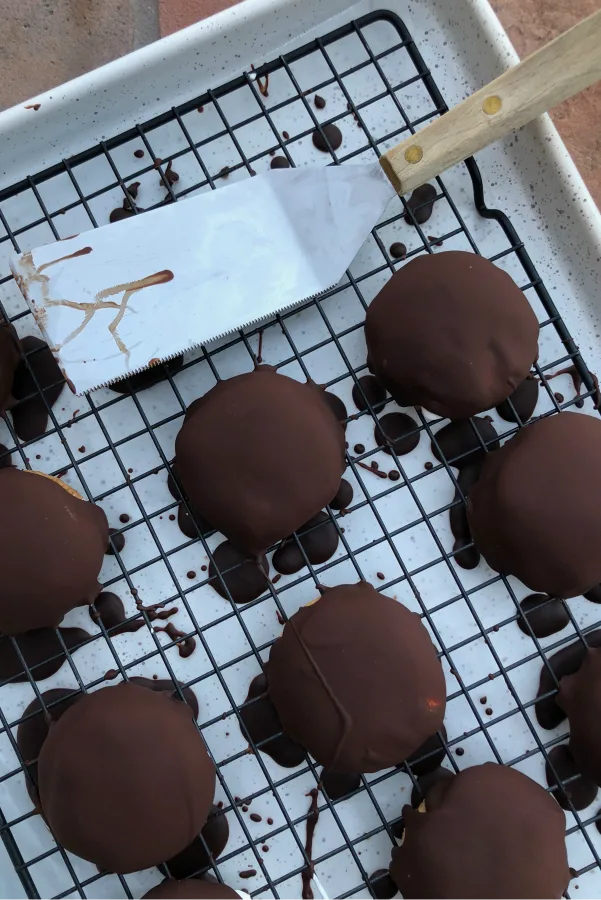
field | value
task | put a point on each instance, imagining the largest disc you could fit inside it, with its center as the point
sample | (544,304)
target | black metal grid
(93,413)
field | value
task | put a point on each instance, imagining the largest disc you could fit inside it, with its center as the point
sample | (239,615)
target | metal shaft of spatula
(116,300)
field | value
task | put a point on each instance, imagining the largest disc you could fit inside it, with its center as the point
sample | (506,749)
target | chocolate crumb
(380,575)
(191,574)
(81,449)
(224,172)
(203,568)
(434,240)
(247,873)
(482,700)
(459,751)
(394,475)
(276,578)
(374,465)
(428,465)
(488,711)
(559,397)
(285,135)
(138,154)
(359,448)
(200,109)
(265,848)
(172,517)
(124,518)
(245,808)
(270,821)
(319,101)
(255,817)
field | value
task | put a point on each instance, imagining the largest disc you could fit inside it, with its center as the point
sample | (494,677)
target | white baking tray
(530,177)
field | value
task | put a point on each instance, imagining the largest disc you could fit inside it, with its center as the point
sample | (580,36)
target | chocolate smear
(465,553)
(168,686)
(33,729)
(245,578)
(460,443)
(148,377)
(329,134)
(369,392)
(594,595)
(438,779)
(263,725)
(579,789)
(319,539)
(524,400)
(398,432)
(30,415)
(312,817)
(421,204)
(279,162)
(546,615)
(566,661)
(339,784)
(42,651)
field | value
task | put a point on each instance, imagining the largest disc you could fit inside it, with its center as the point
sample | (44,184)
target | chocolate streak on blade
(313,816)
(83,252)
(102,302)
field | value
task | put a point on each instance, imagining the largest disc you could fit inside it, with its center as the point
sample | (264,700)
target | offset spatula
(116,300)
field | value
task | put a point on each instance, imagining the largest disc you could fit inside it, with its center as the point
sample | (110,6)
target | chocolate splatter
(546,615)
(124,518)
(337,407)
(524,400)
(42,651)
(574,374)
(369,392)
(198,855)
(117,542)
(458,443)
(171,176)
(382,885)
(30,415)
(108,609)
(186,647)
(579,789)
(344,496)
(421,204)
(566,661)
(167,685)
(429,756)
(319,101)
(279,162)
(318,538)
(398,432)
(139,154)
(148,377)
(327,135)
(247,873)
(398,250)
(263,725)
(594,595)
(245,578)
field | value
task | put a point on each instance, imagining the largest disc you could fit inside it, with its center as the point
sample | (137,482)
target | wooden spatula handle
(555,72)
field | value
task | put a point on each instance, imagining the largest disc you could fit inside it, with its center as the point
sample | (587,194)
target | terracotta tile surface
(532,23)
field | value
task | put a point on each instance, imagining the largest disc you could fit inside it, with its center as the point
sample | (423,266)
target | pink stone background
(59,39)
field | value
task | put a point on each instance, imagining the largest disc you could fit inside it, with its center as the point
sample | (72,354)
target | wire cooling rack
(116,450)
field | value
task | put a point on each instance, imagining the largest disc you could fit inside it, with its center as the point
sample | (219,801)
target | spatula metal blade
(117,299)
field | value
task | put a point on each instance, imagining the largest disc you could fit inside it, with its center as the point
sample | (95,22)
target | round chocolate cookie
(355,679)
(124,778)
(260,455)
(52,545)
(9,359)
(580,697)
(534,511)
(487,832)
(451,332)
(191,889)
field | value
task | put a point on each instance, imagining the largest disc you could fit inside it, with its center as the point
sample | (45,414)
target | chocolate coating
(245,579)
(482,344)
(397,431)
(566,661)
(291,466)
(97,778)
(30,414)
(264,727)
(492,832)
(191,889)
(580,698)
(460,443)
(42,651)
(318,538)
(368,392)
(355,680)
(331,134)
(534,513)
(196,856)
(52,545)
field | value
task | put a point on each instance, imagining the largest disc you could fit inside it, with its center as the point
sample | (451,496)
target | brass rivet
(413,154)
(492,105)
